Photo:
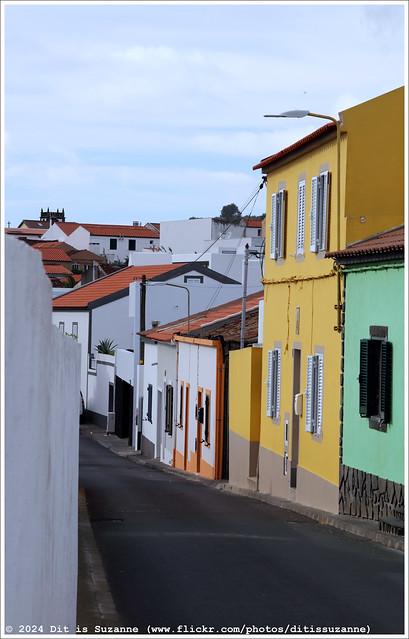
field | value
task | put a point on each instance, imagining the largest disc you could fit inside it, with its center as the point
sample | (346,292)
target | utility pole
(244,299)
(142,318)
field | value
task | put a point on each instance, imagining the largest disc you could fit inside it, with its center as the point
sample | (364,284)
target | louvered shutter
(274,384)
(273,227)
(364,378)
(281,222)
(309,394)
(320,392)
(324,209)
(269,381)
(386,382)
(278,384)
(313,215)
(300,219)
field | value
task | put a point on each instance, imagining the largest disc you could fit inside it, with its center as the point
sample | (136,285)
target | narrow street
(178,553)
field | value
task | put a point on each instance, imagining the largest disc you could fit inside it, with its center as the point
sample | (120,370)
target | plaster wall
(124,365)
(42,388)
(374,298)
(100,244)
(98,384)
(82,318)
(111,321)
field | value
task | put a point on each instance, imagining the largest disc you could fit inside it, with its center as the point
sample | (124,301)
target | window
(189,279)
(277,227)
(61,327)
(113,243)
(149,412)
(299,249)
(320,198)
(207,419)
(314,394)
(375,382)
(274,383)
(132,245)
(258,232)
(74,331)
(169,409)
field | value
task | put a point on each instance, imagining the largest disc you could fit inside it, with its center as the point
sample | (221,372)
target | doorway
(295,422)
(159,426)
(186,446)
(199,422)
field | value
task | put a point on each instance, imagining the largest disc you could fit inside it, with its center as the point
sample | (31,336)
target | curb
(340,522)
(98,607)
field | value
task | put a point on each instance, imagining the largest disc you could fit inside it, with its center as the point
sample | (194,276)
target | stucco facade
(299,436)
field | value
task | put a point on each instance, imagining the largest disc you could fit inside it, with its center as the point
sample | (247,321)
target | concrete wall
(42,388)
(374,298)
(98,384)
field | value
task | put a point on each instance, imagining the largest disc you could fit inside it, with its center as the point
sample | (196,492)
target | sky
(150,112)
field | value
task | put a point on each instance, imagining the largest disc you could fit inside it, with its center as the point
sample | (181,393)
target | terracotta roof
(35,224)
(299,144)
(56,269)
(188,326)
(109,230)
(24,232)
(254,223)
(109,285)
(230,329)
(52,254)
(388,243)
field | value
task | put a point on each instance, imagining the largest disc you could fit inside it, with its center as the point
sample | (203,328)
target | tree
(230,214)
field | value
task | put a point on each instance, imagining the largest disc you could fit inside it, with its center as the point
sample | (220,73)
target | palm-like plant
(106,346)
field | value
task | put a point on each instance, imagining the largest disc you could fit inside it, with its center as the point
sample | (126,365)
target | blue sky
(152,112)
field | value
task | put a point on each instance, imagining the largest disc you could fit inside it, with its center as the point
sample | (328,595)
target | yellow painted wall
(375,165)
(244,392)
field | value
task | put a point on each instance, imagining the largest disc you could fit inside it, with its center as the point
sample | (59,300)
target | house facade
(298,452)
(185,391)
(373,424)
(113,241)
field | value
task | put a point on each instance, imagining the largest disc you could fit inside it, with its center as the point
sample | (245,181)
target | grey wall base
(368,496)
(95,418)
(147,447)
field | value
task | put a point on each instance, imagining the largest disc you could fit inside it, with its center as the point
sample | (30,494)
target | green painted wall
(374,297)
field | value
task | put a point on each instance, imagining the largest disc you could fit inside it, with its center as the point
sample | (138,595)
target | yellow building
(299,388)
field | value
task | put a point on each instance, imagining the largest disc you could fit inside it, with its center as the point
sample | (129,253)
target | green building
(372,442)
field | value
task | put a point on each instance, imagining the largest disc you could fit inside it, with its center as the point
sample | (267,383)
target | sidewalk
(365,528)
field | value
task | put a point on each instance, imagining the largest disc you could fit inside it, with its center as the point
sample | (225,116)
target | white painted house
(114,241)
(42,391)
(208,234)
(184,396)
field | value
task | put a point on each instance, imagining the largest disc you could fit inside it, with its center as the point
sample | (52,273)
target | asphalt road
(179,553)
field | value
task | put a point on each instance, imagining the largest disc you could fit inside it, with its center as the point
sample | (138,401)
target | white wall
(151,257)
(42,389)
(197,367)
(81,317)
(124,365)
(80,238)
(55,233)
(111,321)
(101,246)
(98,384)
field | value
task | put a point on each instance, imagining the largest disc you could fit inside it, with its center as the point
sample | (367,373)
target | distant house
(373,429)
(185,420)
(114,241)
(25,234)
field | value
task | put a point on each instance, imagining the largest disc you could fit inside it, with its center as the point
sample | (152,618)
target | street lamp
(299,113)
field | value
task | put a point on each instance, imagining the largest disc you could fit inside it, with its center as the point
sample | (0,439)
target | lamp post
(298,113)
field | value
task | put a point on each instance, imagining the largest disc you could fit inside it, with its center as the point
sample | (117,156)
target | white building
(208,234)
(114,241)
(42,391)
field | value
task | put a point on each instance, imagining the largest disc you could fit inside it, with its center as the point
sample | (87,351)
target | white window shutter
(269,381)
(314,214)
(324,209)
(278,384)
(300,219)
(281,223)
(273,227)
(320,392)
(309,395)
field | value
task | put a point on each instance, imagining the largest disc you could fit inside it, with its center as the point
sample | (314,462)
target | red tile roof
(34,224)
(109,285)
(109,230)
(203,319)
(25,232)
(299,144)
(388,242)
(254,223)
(56,269)
(52,254)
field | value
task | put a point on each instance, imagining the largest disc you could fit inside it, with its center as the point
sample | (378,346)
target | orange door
(186,450)
(199,423)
